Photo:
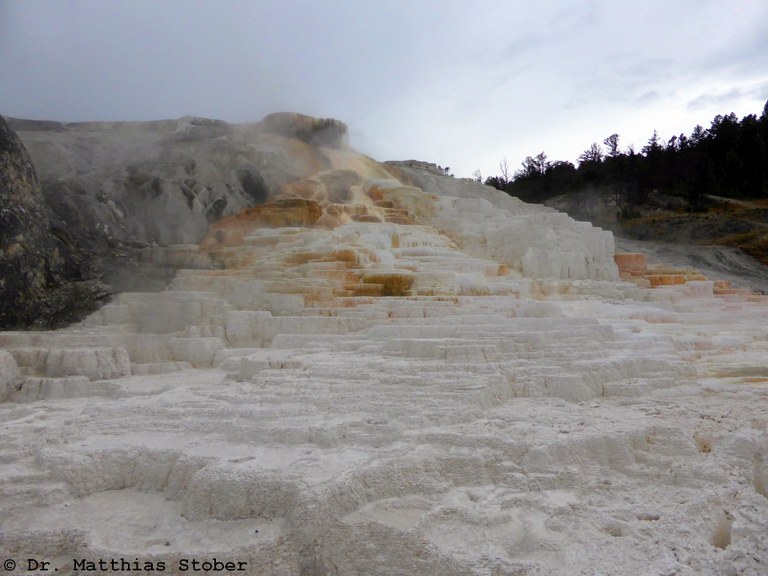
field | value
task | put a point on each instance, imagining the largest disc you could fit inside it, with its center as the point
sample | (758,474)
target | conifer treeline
(729,159)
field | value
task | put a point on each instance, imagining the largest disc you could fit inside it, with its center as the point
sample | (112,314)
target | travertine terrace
(385,371)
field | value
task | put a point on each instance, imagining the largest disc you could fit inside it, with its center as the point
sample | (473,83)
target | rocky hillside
(82,204)
(164,182)
(45,279)
(110,192)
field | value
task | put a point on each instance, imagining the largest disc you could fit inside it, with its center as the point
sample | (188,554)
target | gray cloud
(704,101)
(447,81)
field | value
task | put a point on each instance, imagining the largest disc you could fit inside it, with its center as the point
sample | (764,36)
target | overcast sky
(459,83)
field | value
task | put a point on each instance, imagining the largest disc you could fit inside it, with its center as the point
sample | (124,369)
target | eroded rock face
(45,280)
(164,182)
(111,190)
(26,251)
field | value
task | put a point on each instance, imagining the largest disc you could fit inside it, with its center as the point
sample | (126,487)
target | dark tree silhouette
(728,159)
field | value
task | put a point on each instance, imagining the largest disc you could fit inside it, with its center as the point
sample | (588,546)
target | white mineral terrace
(380,398)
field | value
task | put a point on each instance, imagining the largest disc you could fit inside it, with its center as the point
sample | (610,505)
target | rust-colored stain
(392,283)
(634,268)
(631,263)
(376,194)
(365,218)
(277,213)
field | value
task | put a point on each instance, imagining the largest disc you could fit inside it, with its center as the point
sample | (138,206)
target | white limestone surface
(9,375)
(386,398)
(472,435)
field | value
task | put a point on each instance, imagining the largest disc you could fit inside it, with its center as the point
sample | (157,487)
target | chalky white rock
(435,379)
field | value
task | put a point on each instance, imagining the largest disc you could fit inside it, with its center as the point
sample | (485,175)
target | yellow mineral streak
(392,283)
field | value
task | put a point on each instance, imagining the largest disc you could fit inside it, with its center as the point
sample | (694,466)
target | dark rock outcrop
(46,279)
(165,182)
(316,131)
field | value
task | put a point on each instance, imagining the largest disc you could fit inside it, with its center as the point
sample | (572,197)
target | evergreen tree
(729,159)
